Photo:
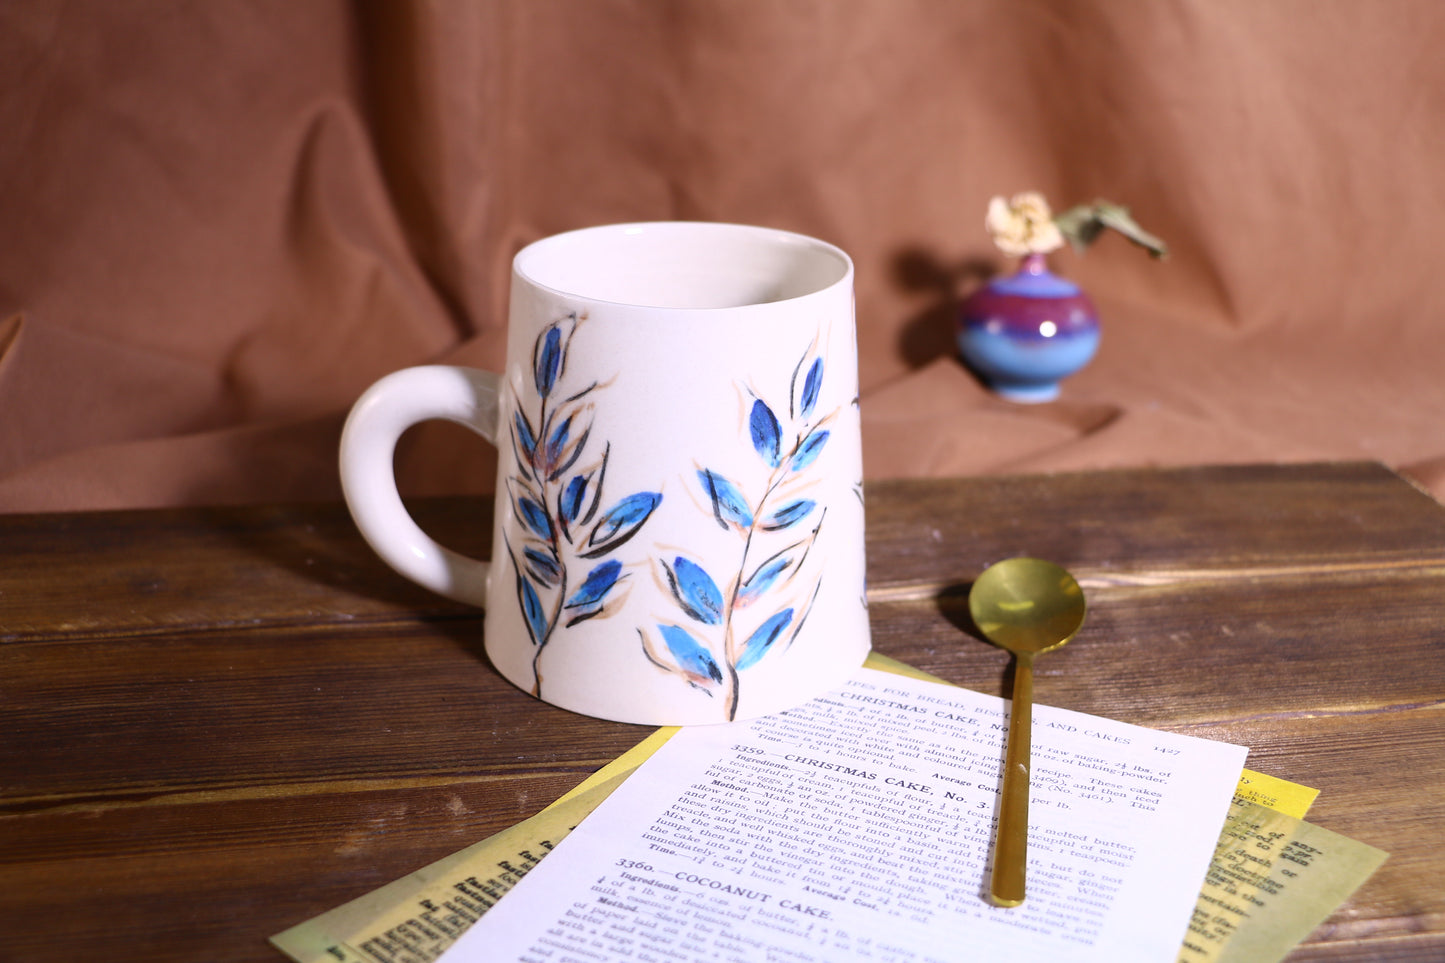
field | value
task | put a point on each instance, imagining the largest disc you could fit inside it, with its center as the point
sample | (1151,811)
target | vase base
(1027,394)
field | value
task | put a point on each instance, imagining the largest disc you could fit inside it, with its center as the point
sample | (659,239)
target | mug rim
(844,274)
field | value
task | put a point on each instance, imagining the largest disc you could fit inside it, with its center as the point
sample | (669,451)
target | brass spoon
(1028,607)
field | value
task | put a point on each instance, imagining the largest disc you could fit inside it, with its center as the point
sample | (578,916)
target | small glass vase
(1023,333)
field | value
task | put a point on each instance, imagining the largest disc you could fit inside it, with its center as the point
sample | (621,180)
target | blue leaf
(547,360)
(543,565)
(590,600)
(526,439)
(558,439)
(789,515)
(690,654)
(535,516)
(767,435)
(597,584)
(621,522)
(532,610)
(728,504)
(562,451)
(764,576)
(762,640)
(811,385)
(695,591)
(808,450)
(569,503)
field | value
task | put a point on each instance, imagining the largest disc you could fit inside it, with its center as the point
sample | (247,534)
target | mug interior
(683,265)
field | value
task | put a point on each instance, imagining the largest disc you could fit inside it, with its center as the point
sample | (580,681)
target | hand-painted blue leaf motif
(790,514)
(558,439)
(811,385)
(695,591)
(526,438)
(590,600)
(561,451)
(620,522)
(569,503)
(547,360)
(598,583)
(535,516)
(765,576)
(762,640)
(692,658)
(532,610)
(767,434)
(728,504)
(543,565)
(809,449)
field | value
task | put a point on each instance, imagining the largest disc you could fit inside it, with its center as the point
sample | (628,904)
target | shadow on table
(314,565)
(952,602)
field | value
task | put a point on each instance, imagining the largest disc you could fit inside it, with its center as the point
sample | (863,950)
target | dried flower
(1023,225)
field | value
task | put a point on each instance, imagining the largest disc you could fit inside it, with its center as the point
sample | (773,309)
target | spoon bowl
(1027,604)
(1028,607)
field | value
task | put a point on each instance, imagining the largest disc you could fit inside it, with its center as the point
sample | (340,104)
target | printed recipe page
(859,827)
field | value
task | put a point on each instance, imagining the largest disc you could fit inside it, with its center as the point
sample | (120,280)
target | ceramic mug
(679,506)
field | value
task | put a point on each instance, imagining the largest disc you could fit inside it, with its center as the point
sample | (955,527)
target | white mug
(679,505)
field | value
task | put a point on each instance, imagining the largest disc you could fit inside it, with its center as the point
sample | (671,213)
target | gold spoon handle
(1011,841)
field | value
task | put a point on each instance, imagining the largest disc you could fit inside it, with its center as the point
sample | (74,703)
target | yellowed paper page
(1289,798)
(1273,879)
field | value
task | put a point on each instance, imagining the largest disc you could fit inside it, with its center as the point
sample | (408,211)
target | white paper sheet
(859,827)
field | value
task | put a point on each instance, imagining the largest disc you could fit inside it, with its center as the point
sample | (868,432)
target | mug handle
(403,398)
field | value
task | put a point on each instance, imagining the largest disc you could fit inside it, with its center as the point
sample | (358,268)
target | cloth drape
(221,221)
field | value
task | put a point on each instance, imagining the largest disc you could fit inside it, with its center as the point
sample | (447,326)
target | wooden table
(215,724)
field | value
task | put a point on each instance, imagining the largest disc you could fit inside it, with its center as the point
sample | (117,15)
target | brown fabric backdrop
(222,220)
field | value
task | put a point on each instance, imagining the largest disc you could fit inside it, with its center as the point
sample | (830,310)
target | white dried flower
(1023,225)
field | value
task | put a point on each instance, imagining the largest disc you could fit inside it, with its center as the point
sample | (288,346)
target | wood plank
(230,708)
(90,721)
(1136,525)
(1200,651)
(1416,948)
(116,574)
(212,881)
(128,573)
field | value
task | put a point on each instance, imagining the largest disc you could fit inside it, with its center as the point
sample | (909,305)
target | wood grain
(218,723)
(126,574)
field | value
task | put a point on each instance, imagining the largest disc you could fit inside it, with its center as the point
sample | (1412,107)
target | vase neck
(1034,264)
(1033,279)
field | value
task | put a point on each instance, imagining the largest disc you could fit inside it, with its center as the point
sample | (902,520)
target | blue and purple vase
(1023,333)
